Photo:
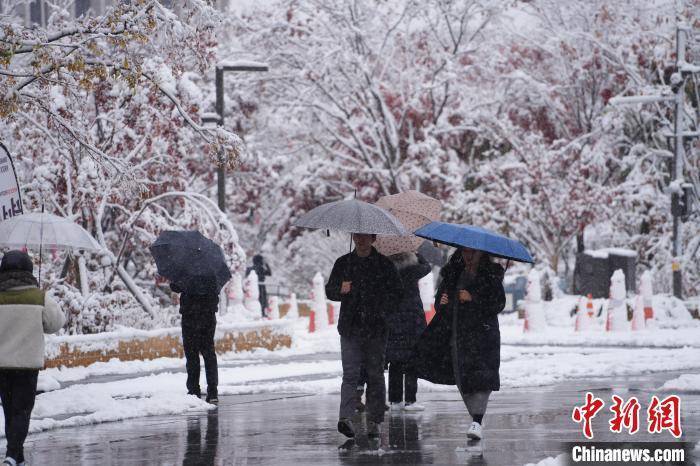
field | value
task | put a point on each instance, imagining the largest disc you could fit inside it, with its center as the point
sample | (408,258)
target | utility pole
(678,81)
(678,154)
(221,68)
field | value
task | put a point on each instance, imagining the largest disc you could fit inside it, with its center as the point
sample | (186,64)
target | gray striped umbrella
(352,216)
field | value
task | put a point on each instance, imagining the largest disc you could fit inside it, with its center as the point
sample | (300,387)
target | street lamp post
(679,134)
(221,68)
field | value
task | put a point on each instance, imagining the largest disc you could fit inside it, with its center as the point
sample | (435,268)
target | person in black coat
(262,270)
(367,285)
(462,344)
(198,327)
(406,324)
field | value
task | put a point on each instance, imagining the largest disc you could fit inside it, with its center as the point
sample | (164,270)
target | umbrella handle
(41,242)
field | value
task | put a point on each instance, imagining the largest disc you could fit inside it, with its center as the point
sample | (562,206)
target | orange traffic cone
(589,306)
(312,321)
(331,314)
(648,310)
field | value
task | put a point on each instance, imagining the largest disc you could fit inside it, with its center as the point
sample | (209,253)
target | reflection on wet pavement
(521,426)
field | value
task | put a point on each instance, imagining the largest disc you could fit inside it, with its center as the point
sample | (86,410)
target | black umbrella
(191,261)
(432,254)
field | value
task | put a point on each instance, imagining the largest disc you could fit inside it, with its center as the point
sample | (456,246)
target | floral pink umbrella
(414,210)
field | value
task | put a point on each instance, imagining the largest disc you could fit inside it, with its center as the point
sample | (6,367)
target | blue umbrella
(472,237)
(191,261)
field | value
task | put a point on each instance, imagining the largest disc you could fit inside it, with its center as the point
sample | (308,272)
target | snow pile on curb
(684,383)
(560,460)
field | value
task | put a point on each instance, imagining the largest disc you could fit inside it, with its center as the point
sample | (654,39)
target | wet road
(521,426)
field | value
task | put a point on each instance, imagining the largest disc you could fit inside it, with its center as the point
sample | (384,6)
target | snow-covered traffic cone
(638,322)
(534,313)
(585,315)
(579,316)
(318,301)
(646,291)
(617,309)
(312,321)
(293,311)
(252,295)
(237,311)
(589,307)
(274,308)
(426,288)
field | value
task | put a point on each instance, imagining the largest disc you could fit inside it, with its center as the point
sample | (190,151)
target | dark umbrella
(191,261)
(472,237)
(435,256)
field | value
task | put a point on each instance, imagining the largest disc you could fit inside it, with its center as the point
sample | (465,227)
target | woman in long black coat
(462,344)
(406,323)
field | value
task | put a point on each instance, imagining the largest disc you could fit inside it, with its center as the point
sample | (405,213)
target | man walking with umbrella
(367,285)
(197,269)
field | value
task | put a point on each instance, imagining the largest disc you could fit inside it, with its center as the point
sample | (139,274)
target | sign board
(10,199)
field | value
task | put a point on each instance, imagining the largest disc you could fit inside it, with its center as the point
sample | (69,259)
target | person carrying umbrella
(405,324)
(26,313)
(197,269)
(462,344)
(367,285)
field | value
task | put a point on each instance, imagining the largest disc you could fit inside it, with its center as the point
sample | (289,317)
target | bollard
(318,301)
(647,292)
(617,309)
(638,321)
(293,312)
(534,313)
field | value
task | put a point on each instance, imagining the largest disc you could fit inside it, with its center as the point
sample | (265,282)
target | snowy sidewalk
(522,426)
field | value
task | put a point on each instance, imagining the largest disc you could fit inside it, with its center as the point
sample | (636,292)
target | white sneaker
(396,407)
(9,462)
(413,407)
(474,431)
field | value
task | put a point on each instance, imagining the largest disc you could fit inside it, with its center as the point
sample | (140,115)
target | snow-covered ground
(85,395)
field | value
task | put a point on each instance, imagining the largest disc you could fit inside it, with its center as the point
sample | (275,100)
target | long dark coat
(407,322)
(478,336)
(376,287)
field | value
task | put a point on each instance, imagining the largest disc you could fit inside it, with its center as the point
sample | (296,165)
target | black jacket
(407,322)
(196,304)
(376,288)
(478,336)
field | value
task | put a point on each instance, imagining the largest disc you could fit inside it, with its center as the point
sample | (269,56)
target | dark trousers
(17,392)
(198,338)
(358,352)
(398,376)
